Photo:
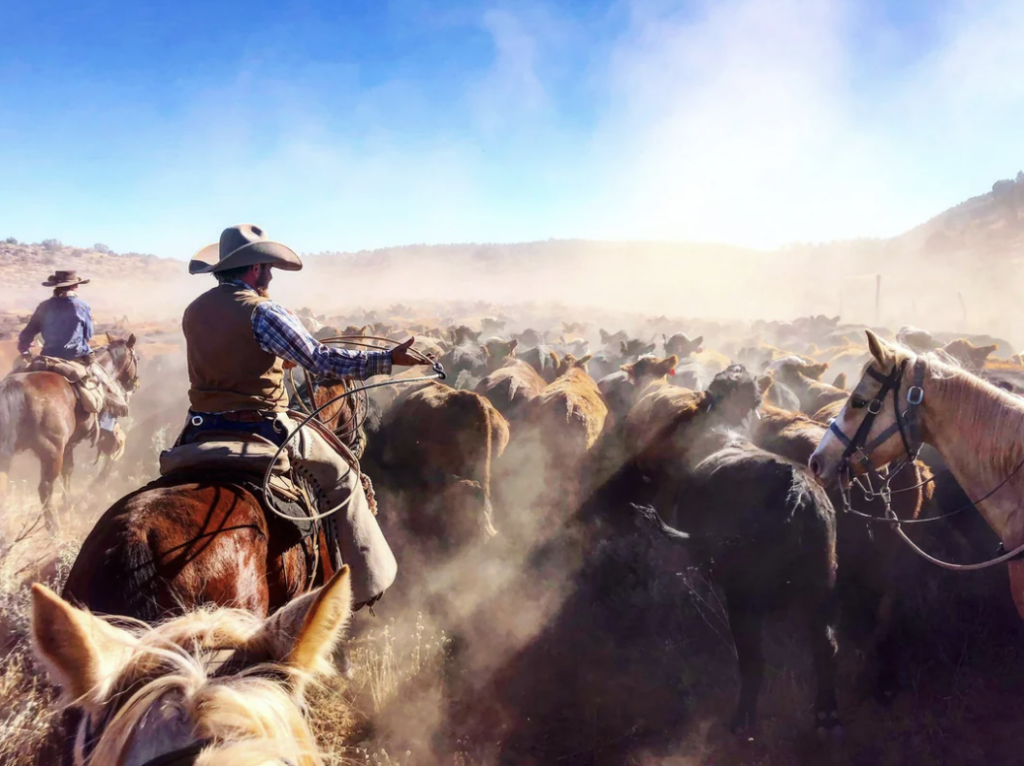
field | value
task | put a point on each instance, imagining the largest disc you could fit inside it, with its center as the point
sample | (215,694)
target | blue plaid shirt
(66,327)
(279,332)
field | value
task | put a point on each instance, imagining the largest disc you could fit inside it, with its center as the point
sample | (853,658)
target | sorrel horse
(39,411)
(213,686)
(192,539)
(976,427)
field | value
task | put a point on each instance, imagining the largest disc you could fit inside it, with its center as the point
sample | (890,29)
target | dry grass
(642,676)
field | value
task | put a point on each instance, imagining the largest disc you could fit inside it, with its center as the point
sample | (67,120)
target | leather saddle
(243,459)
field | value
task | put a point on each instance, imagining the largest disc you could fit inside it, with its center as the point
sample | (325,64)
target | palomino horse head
(209,687)
(889,373)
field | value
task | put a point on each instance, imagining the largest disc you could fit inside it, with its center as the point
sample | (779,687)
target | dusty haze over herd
(954,272)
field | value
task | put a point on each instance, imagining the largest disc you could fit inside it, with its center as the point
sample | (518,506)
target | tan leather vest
(226,366)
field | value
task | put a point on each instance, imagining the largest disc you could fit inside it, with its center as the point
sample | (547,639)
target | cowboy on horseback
(69,393)
(64,320)
(237,343)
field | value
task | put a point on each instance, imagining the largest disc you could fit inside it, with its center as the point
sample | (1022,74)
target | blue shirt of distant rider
(66,326)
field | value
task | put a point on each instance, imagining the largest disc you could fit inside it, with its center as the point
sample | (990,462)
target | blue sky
(345,125)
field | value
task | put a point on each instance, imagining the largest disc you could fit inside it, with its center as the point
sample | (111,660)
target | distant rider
(64,321)
(236,339)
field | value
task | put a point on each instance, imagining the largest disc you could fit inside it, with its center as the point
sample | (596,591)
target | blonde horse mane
(990,418)
(250,715)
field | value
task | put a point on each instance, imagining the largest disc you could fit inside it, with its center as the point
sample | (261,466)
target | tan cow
(562,424)
(511,387)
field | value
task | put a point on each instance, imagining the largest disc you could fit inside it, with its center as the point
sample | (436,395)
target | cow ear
(582,361)
(630,370)
(131,341)
(982,352)
(668,364)
(513,344)
(485,351)
(764,382)
(840,381)
(623,347)
(699,340)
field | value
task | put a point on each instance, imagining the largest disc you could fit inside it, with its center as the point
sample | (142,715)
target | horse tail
(12,405)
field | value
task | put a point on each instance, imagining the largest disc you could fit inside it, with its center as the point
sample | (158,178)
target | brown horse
(39,411)
(196,538)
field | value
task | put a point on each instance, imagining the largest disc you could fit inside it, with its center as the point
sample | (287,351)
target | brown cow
(436,447)
(969,356)
(563,424)
(511,386)
(622,389)
(812,394)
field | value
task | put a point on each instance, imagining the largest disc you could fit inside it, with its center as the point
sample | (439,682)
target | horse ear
(878,348)
(79,651)
(130,343)
(304,633)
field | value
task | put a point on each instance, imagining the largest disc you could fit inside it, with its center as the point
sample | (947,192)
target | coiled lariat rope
(351,459)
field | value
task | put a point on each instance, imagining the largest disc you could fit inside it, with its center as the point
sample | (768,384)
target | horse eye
(857,403)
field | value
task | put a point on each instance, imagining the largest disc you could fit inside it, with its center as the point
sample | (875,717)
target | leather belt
(246,416)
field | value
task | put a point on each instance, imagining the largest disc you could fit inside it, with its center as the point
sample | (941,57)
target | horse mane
(990,418)
(250,713)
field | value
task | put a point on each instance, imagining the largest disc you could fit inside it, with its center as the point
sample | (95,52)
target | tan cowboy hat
(64,279)
(243,245)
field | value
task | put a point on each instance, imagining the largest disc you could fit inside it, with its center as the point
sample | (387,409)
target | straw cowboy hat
(64,279)
(243,245)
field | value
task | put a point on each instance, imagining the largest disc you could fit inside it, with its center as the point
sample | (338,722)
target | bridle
(906,422)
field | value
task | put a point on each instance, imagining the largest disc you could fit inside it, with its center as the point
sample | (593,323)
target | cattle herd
(581,504)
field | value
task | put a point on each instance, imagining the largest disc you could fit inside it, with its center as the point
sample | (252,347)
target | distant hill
(991,224)
(930,275)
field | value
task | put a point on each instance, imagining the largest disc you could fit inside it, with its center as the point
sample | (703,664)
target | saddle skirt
(243,459)
(95,390)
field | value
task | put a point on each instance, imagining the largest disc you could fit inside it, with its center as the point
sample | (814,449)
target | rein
(907,425)
(438,374)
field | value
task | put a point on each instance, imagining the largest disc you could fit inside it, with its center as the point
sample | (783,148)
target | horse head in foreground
(904,400)
(215,686)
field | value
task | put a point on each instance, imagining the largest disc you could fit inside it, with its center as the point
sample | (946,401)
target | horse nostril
(815,466)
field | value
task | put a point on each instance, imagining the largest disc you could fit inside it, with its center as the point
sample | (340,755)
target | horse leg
(65,474)
(745,622)
(51,466)
(821,628)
